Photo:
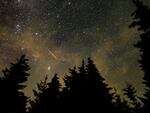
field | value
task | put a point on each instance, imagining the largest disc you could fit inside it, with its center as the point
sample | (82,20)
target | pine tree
(142,20)
(47,98)
(35,103)
(12,99)
(102,96)
(67,92)
(134,105)
(121,105)
(85,90)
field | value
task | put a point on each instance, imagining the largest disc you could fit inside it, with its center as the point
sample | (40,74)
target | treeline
(85,90)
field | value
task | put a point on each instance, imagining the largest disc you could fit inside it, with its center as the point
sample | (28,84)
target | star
(19,0)
(69,3)
(49,68)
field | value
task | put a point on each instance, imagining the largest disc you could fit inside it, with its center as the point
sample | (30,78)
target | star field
(56,34)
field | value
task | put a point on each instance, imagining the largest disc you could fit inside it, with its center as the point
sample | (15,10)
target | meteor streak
(52,54)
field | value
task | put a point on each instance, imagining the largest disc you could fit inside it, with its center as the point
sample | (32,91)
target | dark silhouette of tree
(130,92)
(41,87)
(47,97)
(85,90)
(12,99)
(134,105)
(121,105)
(142,21)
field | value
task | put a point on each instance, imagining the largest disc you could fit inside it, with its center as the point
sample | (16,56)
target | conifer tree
(47,98)
(12,98)
(142,20)
(121,105)
(86,90)
(134,104)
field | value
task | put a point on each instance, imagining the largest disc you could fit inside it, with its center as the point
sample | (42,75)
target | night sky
(57,34)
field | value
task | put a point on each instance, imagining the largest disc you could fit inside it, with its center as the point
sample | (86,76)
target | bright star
(49,67)
(19,0)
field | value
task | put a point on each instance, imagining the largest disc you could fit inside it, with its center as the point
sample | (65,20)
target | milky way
(56,34)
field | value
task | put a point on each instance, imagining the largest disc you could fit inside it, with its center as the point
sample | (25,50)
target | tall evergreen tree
(86,91)
(121,105)
(12,99)
(99,88)
(131,93)
(47,97)
(142,20)
(41,87)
